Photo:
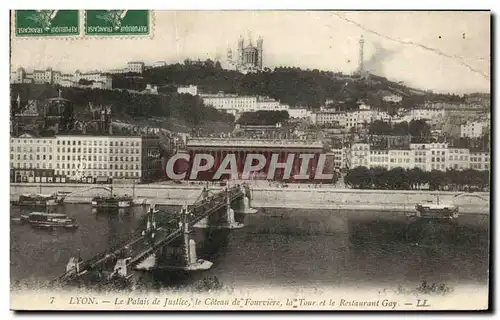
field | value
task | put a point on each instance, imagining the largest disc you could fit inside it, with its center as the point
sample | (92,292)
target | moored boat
(430,210)
(112,202)
(49,220)
(39,200)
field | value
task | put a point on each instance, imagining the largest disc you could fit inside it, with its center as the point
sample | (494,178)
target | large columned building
(219,148)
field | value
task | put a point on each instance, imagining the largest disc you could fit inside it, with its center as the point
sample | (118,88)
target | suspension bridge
(120,260)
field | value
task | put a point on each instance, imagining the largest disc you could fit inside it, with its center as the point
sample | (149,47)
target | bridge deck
(138,246)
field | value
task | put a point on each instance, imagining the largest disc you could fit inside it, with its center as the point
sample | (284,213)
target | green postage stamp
(33,23)
(117,22)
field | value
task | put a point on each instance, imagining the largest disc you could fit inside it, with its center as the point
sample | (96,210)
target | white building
(135,66)
(329,117)
(28,152)
(425,114)
(192,90)
(158,64)
(430,156)
(361,117)
(392,98)
(379,159)
(473,129)
(403,158)
(299,113)
(101,80)
(392,158)
(339,156)
(129,157)
(426,156)
(480,161)
(358,155)
(235,104)
(458,159)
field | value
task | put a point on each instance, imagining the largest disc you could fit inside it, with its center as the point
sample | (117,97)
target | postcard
(250,160)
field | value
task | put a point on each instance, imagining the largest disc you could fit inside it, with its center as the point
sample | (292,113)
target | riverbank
(263,196)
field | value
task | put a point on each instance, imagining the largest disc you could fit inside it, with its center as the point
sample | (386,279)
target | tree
(263,117)
(379,127)
(419,128)
(85,82)
(358,178)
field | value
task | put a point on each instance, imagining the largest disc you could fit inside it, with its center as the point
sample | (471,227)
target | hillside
(292,86)
(189,110)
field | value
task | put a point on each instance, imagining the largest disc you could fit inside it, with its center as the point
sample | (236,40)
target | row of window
(456,157)
(25,141)
(437,153)
(100,166)
(31,157)
(399,160)
(30,149)
(97,150)
(97,158)
(458,151)
(479,159)
(479,166)
(100,143)
(79,142)
(96,173)
(30,165)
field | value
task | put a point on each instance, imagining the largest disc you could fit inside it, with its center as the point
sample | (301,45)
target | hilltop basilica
(248,59)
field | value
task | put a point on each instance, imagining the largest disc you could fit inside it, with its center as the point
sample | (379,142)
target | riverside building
(425,156)
(135,158)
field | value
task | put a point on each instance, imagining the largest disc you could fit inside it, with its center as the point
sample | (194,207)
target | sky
(439,51)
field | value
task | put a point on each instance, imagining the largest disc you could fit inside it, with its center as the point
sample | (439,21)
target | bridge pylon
(244,205)
(192,261)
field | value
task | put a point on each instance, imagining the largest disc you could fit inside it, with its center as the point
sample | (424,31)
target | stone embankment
(269,196)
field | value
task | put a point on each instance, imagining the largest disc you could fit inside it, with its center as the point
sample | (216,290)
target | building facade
(96,79)
(473,129)
(235,104)
(249,58)
(241,148)
(425,156)
(459,159)
(192,90)
(480,160)
(136,158)
(299,113)
(135,67)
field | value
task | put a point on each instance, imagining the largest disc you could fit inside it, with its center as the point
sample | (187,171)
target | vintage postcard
(250,160)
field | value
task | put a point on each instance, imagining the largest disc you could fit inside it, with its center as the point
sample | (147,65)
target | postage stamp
(250,160)
(35,23)
(117,22)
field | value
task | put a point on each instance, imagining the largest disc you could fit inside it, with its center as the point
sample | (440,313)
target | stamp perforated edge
(149,36)
(13,34)
(82,35)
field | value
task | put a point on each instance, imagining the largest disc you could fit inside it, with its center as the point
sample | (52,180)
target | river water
(277,247)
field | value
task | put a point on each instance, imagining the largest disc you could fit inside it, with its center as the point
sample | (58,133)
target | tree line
(130,105)
(415,128)
(415,179)
(263,117)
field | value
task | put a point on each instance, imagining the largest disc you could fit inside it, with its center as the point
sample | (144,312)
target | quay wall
(290,197)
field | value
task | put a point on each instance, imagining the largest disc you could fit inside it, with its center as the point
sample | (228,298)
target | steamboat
(431,210)
(48,220)
(40,200)
(112,201)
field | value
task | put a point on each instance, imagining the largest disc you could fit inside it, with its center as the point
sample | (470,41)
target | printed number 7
(51,300)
